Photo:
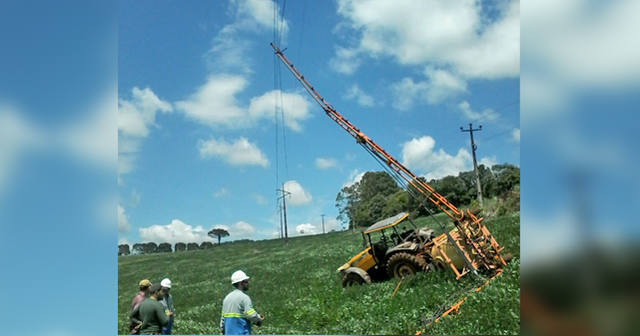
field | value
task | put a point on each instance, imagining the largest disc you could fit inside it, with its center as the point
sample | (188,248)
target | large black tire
(351,279)
(403,264)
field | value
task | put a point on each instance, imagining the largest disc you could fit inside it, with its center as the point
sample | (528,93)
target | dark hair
(155,288)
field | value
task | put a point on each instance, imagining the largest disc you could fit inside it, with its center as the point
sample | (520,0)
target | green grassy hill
(296,287)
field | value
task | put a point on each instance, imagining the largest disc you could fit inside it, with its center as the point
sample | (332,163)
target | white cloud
(123,220)
(516,134)
(572,46)
(449,33)
(442,84)
(420,154)
(174,232)
(123,241)
(298,195)
(326,163)
(488,161)
(215,104)
(240,152)
(135,117)
(486,114)
(260,13)
(583,44)
(238,230)
(260,200)
(95,137)
(295,107)
(546,241)
(315,226)
(363,99)
(228,53)
(354,177)
(438,86)
(16,136)
(222,192)
(242,229)
(406,91)
(230,47)
(345,61)
(306,229)
(331,224)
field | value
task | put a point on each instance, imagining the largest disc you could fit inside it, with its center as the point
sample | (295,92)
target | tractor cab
(384,234)
(387,247)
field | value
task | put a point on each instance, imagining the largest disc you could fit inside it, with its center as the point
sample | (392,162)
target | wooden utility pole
(284,210)
(322,223)
(475,163)
(281,222)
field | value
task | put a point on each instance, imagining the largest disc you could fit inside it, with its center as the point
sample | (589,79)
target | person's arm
(135,302)
(134,315)
(222,323)
(162,317)
(250,313)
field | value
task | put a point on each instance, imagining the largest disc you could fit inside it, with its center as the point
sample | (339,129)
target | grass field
(297,289)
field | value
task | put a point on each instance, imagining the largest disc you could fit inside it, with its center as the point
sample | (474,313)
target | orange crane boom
(484,250)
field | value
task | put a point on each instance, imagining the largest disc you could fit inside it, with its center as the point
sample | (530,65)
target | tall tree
(192,246)
(206,245)
(150,247)
(138,248)
(123,249)
(180,247)
(219,233)
(164,247)
(363,202)
(346,202)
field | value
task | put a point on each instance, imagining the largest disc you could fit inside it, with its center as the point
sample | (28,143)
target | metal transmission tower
(475,163)
(322,223)
(284,210)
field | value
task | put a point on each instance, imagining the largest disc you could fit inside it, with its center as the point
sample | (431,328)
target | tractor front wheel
(402,265)
(351,279)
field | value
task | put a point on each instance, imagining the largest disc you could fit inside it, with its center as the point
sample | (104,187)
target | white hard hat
(238,276)
(165,283)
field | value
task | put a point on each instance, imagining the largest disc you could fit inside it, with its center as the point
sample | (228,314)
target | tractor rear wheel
(402,264)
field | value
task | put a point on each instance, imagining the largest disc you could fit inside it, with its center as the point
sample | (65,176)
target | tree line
(377,196)
(151,247)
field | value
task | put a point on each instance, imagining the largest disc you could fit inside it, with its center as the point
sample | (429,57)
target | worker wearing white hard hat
(167,303)
(237,309)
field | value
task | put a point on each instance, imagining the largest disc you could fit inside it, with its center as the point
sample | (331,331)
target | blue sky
(197,137)
(59,186)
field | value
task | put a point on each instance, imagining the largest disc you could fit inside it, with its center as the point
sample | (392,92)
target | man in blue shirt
(167,303)
(237,310)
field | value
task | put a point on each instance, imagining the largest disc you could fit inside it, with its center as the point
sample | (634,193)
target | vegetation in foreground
(295,286)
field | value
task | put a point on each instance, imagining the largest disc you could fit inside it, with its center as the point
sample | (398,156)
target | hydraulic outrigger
(472,241)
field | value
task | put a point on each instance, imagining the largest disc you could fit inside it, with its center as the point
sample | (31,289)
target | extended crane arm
(475,238)
(370,145)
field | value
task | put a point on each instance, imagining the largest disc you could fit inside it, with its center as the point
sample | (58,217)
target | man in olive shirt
(149,315)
